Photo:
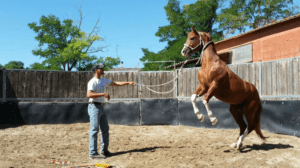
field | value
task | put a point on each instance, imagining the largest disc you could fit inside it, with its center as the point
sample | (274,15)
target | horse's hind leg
(198,93)
(237,113)
(251,109)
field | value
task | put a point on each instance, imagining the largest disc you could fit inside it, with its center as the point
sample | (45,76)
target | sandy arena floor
(145,147)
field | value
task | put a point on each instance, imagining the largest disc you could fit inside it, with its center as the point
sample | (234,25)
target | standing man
(98,118)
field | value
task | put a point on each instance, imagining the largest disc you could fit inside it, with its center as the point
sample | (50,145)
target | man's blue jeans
(98,119)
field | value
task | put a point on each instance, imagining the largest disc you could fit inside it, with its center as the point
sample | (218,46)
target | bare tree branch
(80,15)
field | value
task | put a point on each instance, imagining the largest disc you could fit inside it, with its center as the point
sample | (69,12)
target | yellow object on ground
(103,165)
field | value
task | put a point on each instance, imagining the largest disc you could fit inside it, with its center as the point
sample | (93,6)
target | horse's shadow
(265,147)
(152,149)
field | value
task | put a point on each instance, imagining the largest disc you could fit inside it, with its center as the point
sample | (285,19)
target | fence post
(260,77)
(139,94)
(175,83)
(3,85)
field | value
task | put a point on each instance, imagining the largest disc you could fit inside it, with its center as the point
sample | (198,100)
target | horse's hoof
(214,120)
(200,117)
(234,145)
(239,145)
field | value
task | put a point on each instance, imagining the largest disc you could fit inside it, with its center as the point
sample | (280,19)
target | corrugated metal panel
(242,54)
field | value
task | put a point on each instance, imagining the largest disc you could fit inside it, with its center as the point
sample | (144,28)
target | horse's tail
(257,121)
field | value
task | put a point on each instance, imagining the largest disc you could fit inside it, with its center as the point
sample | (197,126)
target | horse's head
(195,42)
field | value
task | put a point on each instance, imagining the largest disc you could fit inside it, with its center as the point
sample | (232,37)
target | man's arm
(121,83)
(92,94)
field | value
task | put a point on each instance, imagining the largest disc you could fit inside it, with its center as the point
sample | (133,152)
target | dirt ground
(145,147)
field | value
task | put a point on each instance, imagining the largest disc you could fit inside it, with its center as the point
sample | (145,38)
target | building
(274,41)
(125,69)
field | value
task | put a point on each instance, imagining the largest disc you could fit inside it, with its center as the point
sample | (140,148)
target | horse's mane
(200,33)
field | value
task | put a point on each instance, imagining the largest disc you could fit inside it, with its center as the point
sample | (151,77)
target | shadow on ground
(264,147)
(138,150)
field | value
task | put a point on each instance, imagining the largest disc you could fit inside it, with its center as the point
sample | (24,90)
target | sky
(127,26)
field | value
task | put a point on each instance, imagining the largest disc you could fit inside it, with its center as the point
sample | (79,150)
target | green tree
(1,66)
(67,47)
(242,14)
(202,15)
(14,65)
(109,62)
(42,66)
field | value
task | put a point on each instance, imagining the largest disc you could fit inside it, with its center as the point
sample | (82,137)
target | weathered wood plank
(180,84)
(252,74)
(130,87)
(71,85)
(61,76)
(39,85)
(115,88)
(67,84)
(74,92)
(184,78)
(274,79)
(169,76)
(120,91)
(27,83)
(278,70)
(234,69)
(241,71)
(136,87)
(164,79)
(161,89)
(159,82)
(296,77)
(124,78)
(290,81)
(257,77)
(174,93)
(264,79)
(47,84)
(153,82)
(145,79)
(21,84)
(188,82)
(12,84)
(82,91)
(283,75)
(246,72)
(55,84)
(33,78)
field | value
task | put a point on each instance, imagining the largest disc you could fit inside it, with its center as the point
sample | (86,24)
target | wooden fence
(28,85)
(276,78)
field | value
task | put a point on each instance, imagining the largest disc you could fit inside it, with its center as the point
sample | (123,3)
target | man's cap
(97,66)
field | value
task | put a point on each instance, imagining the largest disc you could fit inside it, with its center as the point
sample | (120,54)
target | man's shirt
(98,86)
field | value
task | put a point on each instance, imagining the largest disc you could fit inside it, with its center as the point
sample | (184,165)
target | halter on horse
(216,79)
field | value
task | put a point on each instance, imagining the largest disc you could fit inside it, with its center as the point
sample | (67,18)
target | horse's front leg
(206,99)
(198,93)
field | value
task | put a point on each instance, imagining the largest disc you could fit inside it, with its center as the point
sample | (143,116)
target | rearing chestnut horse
(216,79)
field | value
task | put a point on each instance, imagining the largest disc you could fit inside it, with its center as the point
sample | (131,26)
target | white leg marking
(242,137)
(213,119)
(196,110)
(233,145)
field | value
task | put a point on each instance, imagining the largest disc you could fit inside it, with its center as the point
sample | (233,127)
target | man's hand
(131,83)
(107,96)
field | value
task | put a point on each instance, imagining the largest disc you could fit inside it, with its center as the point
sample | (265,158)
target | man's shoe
(106,153)
(98,156)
